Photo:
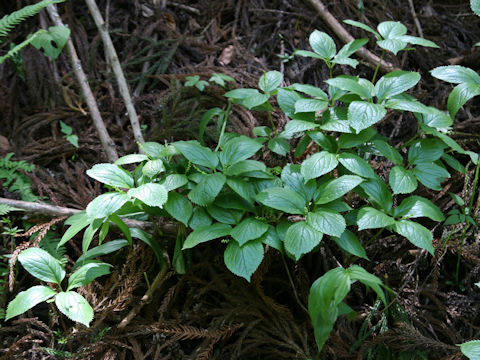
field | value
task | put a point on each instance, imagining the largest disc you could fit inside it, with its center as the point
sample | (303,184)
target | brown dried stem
(64,211)
(107,142)
(117,69)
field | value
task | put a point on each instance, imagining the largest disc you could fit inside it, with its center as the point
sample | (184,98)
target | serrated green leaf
(370,218)
(347,141)
(75,307)
(327,221)
(351,84)
(409,105)
(243,260)
(415,40)
(425,150)
(471,349)
(106,204)
(402,181)
(456,74)
(431,175)
(348,242)
(42,265)
(336,188)
(245,166)
(362,26)
(87,273)
(130,159)
(270,80)
(395,83)
(437,120)
(224,215)
(377,192)
(249,229)
(112,175)
(296,126)
(90,233)
(356,165)
(343,56)
(153,167)
(197,153)
(417,234)
(391,29)
(243,188)
(286,99)
(206,233)
(199,218)
(460,95)
(279,146)
(262,131)
(301,238)
(272,239)
(151,194)
(362,115)
(101,250)
(281,199)
(417,206)
(393,45)
(310,90)
(25,300)
(326,142)
(310,105)
(323,45)
(454,163)
(174,181)
(318,164)
(255,100)
(360,274)
(153,149)
(179,207)
(238,149)
(207,189)
(293,180)
(388,151)
(77,222)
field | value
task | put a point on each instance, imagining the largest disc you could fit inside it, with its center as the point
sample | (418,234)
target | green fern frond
(6,163)
(5,209)
(14,51)
(8,22)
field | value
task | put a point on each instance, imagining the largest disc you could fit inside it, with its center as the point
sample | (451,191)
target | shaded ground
(209,313)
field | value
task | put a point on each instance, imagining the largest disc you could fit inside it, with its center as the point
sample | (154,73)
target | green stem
(224,124)
(271,121)
(293,285)
(470,205)
(379,232)
(378,67)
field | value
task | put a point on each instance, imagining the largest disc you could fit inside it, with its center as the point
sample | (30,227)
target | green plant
(40,264)
(229,196)
(15,180)
(41,39)
(69,135)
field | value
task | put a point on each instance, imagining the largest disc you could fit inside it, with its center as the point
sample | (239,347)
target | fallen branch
(117,69)
(108,144)
(43,208)
(345,36)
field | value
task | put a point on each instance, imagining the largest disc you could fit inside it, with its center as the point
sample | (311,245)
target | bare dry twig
(117,69)
(107,142)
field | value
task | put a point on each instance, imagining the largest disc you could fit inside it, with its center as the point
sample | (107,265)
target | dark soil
(208,313)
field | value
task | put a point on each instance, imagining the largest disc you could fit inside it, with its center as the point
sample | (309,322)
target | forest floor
(209,313)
